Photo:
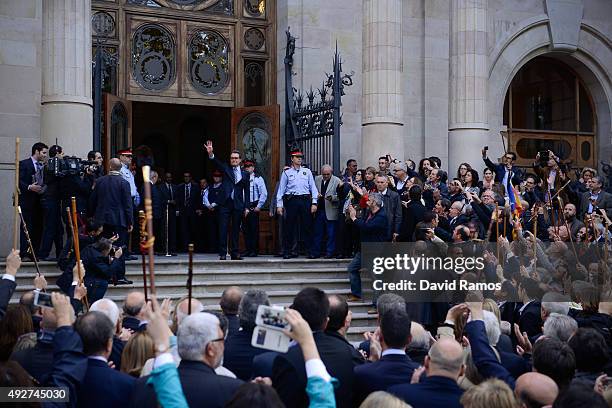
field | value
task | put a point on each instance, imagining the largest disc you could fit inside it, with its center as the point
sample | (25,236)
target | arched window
(547,107)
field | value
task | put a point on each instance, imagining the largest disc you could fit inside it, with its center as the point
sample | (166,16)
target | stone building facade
(431,77)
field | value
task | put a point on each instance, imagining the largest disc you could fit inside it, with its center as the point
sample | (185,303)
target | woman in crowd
(488,180)
(424,169)
(137,351)
(470,182)
(16,322)
(462,171)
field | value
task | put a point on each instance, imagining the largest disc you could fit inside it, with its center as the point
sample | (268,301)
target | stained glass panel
(208,62)
(153,57)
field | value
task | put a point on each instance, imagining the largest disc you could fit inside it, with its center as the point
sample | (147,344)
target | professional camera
(69,166)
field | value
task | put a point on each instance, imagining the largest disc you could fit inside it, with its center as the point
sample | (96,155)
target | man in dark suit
(111,204)
(505,170)
(239,353)
(412,214)
(443,365)
(394,366)
(528,314)
(7,283)
(289,372)
(236,185)
(188,202)
(102,386)
(392,206)
(168,192)
(31,187)
(200,346)
(52,215)
(133,317)
(596,199)
(230,301)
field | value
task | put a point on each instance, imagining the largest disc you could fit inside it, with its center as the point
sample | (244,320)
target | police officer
(296,194)
(257,198)
(125,156)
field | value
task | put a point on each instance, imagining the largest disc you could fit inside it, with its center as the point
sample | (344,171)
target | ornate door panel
(117,126)
(153,54)
(255,132)
(208,63)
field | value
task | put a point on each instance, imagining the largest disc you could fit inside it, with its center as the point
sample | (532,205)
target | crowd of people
(552,352)
(542,338)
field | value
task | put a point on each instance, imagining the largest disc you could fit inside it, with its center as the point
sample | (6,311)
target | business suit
(99,270)
(391,369)
(530,319)
(412,214)
(604,201)
(111,204)
(239,354)
(237,200)
(500,171)
(188,202)
(233,324)
(7,287)
(326,217)
(52,233)
(289,372)
(430,392)
(168,192)
(30,203)
(202,387)
(158,209)
(38,360)
(104,387)
(393,210)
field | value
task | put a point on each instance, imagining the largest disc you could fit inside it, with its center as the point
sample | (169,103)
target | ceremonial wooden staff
(27,235)
(18,215)
(497,229)
(190,277)
(535,239)
(148,206)
(77,249)
(143,250)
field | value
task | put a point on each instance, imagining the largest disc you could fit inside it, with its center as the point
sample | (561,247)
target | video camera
(69,166)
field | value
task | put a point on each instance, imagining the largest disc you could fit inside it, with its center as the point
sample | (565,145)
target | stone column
(382,80)
(66,75)
(468,126)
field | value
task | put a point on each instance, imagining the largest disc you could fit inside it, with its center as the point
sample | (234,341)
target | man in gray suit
(596,199)
(326,217)
(392,205)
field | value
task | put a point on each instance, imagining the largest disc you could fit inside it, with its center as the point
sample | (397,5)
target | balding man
(535,390)
(569,213)
(111,310)
(444,364)
(133,314)
(229,302)
(326,217)
(111,204)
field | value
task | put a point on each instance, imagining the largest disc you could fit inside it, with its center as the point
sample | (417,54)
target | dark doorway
(176,135)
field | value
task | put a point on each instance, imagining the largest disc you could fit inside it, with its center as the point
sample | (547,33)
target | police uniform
(258,194)
(129,177)
(296,193)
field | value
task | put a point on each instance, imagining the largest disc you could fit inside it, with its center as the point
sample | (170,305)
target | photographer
(50,202)
(546,166)
(503,171)
(102,263)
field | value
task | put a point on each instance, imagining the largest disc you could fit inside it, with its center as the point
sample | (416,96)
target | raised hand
(209,147)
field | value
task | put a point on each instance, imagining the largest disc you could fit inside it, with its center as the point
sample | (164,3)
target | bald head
(445,358)
(230,300)
(182,309)
(535,389)
(134,302)
(114,164)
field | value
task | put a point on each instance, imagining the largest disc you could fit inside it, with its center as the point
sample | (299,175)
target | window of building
(208,62)
(153,57)
(254,87)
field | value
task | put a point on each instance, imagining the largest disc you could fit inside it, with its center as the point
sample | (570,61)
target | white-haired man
(121,336)
(200,346)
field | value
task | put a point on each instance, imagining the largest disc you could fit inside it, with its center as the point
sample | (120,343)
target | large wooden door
(255,132)
(117,126)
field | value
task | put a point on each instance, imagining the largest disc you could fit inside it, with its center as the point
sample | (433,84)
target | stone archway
(591,61)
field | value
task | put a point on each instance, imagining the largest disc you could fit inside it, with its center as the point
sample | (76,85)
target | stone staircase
(281,279)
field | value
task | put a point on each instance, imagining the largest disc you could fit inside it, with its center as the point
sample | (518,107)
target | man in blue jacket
(443,365)
(504,171)
(373,228)
(394,366)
